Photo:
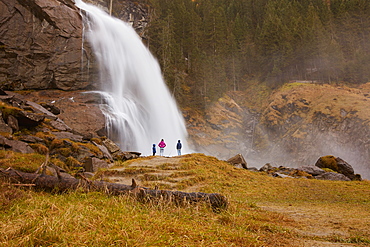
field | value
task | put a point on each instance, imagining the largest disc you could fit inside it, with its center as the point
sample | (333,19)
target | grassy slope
(263,211)
(328,99)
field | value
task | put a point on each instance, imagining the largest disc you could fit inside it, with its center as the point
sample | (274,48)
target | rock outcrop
(41,46)
(41,43)
(292,126)
(36,131)
(238,161)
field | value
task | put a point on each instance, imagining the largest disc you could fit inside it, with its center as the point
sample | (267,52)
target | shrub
(39,148)
(72,162)
(56,143)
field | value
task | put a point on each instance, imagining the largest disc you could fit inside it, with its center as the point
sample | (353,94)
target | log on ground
(52,183)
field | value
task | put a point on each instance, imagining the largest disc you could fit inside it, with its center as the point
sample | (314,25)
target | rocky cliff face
(300,123)
(41,44)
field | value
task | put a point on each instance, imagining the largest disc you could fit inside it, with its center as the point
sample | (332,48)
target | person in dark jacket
(178,147)
(161,146)
(154,149)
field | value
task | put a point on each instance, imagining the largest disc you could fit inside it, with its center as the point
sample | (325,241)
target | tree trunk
(51,183)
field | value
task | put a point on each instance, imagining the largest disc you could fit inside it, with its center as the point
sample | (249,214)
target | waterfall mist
(139,109)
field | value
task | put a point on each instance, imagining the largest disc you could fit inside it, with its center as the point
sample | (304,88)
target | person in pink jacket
(161,146)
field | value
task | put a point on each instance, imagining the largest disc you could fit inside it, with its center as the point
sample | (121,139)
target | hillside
(290,126)
(263,211)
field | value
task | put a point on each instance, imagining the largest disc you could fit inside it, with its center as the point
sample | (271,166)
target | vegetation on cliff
(209,47)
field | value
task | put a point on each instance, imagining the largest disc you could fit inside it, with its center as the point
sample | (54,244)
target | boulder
(29,119)
(313,170)
(94,164)
(238,161)
(338,165)
(15,146)
(332,176)
(345,168)
(111,146)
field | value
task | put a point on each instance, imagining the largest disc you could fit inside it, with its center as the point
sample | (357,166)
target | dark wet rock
(28,119)
(51,108)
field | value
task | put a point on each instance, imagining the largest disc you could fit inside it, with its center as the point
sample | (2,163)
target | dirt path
(321,222)
(164,172)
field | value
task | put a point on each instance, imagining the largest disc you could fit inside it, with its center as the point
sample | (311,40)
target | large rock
(332,176)
(313,170)
(41,45)
(15,146)
(238,161)
(94,164)
(111,146)
(338,165)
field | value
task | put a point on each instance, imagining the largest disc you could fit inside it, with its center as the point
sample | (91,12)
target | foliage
(208,47)
(7,110)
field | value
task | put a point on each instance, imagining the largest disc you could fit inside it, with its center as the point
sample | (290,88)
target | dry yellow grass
(263,211)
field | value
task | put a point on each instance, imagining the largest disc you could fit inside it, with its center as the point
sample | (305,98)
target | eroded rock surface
(41,46)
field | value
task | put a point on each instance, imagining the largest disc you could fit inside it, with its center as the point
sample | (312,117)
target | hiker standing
(154,149)
(178,147)
(161,146)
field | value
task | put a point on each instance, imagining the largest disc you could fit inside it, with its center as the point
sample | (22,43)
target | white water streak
(140,110)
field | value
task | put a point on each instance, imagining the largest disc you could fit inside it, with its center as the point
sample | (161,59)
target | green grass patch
(21,162)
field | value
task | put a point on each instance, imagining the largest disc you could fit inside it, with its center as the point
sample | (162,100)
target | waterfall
(139,108)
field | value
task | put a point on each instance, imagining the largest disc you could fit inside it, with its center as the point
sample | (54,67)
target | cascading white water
(140,110)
